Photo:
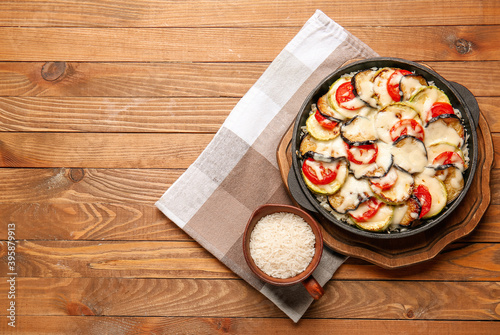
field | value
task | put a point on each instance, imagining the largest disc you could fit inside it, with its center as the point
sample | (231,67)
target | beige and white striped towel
(214,198)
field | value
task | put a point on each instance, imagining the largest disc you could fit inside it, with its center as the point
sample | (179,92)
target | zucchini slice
(359,130)
(331,148)
(363,86)
(447,129)
(453,181)
(332,187)
(399,192)
(319,132)
(411,83)
(437,190)
(379,222)
(425,97)
(437,149)
(390,115)
(358,106)
(410,154)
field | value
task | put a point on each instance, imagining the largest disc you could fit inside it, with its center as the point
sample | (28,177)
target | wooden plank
(198,115)
(166,259)
(109,150)
(150,13)
(185,79)
(64,185)
(234,44)
(87,114)
(62,325)
(104,151)
(398,300)
(128,79)
(88,221)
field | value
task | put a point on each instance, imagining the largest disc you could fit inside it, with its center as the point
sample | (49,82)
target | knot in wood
(76,175)
(410,314)
(463,46)
(53,70)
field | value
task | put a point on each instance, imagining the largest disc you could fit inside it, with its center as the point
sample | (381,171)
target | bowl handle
(313,287)
(470,101)
(297,193)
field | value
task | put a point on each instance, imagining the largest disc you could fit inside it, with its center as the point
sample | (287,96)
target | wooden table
(103,104)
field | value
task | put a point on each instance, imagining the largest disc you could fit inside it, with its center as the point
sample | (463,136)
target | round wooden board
(396,253)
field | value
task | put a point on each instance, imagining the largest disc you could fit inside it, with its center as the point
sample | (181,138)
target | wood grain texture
(397,300)
(154,79)
(234,44)
(55,325)
(65,185)
(106,150)
(152,13)
(151,115)
(187,259)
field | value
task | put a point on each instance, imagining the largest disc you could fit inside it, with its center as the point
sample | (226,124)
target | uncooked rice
(282,245)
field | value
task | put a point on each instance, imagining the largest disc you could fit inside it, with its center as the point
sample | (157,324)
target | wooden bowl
(305,277)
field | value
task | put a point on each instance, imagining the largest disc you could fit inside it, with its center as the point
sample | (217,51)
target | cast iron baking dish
(460,97)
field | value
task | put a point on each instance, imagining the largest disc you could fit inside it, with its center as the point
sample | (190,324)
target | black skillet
(460,98)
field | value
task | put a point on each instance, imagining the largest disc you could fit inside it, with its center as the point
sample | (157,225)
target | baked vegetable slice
(362,83)
(372,215)
(370,161)
(399,192)
(410,154)
(380,86)
(437,191)
(453,181)
(409,213)
(324,177)
(358,131)
(323,105)
(343,100)
(386,118)
(425,98)
(352,193)
(410,84)
(445,128)
(321,127)
(331,148)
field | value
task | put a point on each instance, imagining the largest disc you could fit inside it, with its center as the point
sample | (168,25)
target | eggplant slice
(332,148)
(358,131)
(410,154)
(453,181)
(363,86)
(445,128)
(352,193)
(377,169)
(380,86)
(397,194)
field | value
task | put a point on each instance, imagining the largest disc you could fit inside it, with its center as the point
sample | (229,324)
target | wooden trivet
(394,253)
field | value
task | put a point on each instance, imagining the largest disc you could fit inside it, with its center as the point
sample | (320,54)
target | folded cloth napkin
(238,171)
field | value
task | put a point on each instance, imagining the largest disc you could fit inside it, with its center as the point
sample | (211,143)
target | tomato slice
(318,172)
(447,158)
(324,122)
(424,196)
(407,127)
(362,154)
(368,209)
(345,93)
(393,84)
(386,181)
(439,108)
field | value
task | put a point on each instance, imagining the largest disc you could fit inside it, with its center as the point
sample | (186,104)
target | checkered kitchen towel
(214,198)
